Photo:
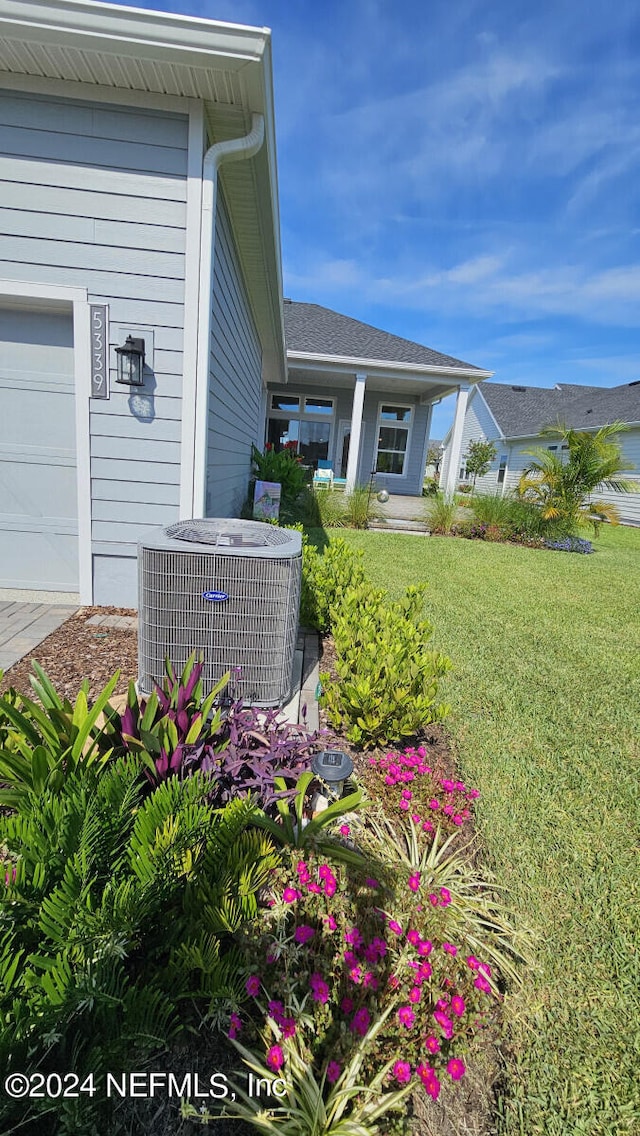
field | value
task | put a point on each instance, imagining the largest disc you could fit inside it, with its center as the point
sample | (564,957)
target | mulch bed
(78,650)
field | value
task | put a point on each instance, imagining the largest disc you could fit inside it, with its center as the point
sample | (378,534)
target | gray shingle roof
(321,331)
(523,411)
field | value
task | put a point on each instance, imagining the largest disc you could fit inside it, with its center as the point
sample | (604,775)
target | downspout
(234,150)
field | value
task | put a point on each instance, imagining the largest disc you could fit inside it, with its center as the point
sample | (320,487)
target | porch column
(356,430)
(455,445)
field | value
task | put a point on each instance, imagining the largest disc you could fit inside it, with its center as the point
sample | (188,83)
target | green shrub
(326,577)
(115,920)
(465,487)
(430,486)
(387,676)
(286,469)
(440,514)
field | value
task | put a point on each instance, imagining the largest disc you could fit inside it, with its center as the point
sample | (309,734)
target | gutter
(233,150)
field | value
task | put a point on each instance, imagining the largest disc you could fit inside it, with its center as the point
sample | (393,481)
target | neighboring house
(360,397)
(513,416)
(138,203)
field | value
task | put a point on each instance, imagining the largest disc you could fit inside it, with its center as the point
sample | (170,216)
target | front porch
(358,401)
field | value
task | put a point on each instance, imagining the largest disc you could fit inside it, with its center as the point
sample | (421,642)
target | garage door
(38,497)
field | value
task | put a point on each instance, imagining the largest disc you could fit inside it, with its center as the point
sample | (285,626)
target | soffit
(431,389)
(227,67)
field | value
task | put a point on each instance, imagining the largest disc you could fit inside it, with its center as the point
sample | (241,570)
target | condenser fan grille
(239,611)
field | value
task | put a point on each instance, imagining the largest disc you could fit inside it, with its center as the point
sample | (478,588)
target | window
(502,468)
(318,406)
(394,425)
(302,424)
(288,403)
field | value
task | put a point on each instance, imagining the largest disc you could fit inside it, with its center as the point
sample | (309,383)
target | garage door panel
(38,560)
(37,492)
(38,480)
(39,418)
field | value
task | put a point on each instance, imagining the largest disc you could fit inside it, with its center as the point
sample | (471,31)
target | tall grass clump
(440,514)
(361,507)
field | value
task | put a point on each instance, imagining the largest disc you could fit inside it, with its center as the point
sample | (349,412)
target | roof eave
(586,429)
(416,370)
(193,49)
(91,26)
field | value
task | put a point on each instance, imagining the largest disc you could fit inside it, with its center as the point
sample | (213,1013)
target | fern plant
(117,914)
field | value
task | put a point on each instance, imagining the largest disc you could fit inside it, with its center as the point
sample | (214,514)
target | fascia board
(160,35)
(383,366)
(581,429)
(274,261)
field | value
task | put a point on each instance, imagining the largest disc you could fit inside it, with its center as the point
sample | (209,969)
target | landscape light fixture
(131,362)
(333,767)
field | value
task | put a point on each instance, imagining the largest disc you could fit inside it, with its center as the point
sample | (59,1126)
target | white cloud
(481,286)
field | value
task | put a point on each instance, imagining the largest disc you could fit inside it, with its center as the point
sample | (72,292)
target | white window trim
(304,415)
(314,416)
(76,298)
(408,426)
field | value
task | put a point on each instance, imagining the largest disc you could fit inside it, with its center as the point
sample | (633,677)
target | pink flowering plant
(345,961)
(412,787)
(424,829)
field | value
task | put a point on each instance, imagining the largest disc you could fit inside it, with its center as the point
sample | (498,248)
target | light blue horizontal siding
(146,450)
(94,196)
(100,206)
(112,181)
(144,492)
(130,512)
(132,429)
(89,230)
(235,380)
(159,474)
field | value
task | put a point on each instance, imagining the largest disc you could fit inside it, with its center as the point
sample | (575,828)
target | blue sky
(464,174)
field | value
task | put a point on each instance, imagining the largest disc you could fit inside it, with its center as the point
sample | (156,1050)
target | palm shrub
(440,514)
(116,918)
(562,489)
(387,675)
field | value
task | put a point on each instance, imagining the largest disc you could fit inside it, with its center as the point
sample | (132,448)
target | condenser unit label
(215,597)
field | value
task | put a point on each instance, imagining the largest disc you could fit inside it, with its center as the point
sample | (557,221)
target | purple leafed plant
(258,746)
(173,726)
(242,749)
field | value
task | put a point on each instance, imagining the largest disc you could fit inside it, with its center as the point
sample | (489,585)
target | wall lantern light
(131,362)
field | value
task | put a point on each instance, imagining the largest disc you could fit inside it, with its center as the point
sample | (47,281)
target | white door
(38,492)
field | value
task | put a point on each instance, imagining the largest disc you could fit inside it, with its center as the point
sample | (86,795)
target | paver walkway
(24,625)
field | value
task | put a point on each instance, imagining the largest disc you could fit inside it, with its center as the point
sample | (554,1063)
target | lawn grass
(545,700)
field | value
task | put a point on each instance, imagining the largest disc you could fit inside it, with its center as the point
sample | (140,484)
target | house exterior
(360,398)
(513,416)
(139,205)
